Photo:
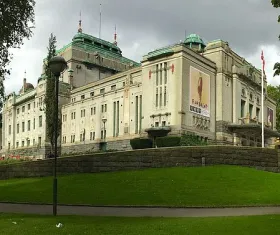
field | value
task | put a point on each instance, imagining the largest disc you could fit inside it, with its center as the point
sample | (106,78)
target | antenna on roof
(115,36)
(80,23)
(100,23)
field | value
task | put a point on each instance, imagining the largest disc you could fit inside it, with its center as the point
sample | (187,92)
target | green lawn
(197,186)
(29,225)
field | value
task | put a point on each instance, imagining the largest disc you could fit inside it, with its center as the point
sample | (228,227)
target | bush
(192,140)
(139,143)
(168,141)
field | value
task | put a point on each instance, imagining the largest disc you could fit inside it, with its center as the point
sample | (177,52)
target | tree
(16,18)
(50,95)
(274,93)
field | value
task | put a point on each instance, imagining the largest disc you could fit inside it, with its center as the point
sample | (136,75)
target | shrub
(192,140)
(139,143)
(168,141)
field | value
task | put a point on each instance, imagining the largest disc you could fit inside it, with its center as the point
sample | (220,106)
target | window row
(83,112)
(40,103)
(23,125)
(101,91)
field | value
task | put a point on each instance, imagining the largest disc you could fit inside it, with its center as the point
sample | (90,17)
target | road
(137,211)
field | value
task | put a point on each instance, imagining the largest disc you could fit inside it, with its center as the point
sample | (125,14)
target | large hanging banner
(199,92)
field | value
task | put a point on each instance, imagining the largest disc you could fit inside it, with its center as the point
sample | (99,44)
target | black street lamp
(57,64)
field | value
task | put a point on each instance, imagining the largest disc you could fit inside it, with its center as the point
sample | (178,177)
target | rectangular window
(258,113)
(17,128)
(83,113)
(34,126)
(163,123)
(102,91)
(92,94)
(105,108)
(40,121)
(157,74)
(34,105)
(22,109)
(28,142)
(165,73)
(160,74)
(17,144)
(28,125)
(251,110)
(160,98)
(73,115)
(102,108)
(157,97)
(156,124)
(17,110)
(92,135)
(22,143)
(164,97)
(39,141)
(113,87)
(243,102)
(28,106)
(82,97)
(123,84)
(33,142)
(136,115)
(10,129)
(22,127)
(94,110)
(91,111)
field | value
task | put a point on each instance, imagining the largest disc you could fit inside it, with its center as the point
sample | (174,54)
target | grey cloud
(245,24)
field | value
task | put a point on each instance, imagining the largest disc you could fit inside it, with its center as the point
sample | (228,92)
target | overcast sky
(248,26)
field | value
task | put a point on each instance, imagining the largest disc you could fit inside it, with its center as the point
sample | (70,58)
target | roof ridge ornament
(80,30)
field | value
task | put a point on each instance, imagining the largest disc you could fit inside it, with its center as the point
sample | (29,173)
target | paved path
(137,211)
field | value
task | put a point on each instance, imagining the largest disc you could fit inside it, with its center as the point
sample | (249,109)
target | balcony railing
(255,120)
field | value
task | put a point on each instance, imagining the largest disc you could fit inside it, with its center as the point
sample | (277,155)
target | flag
(263,62)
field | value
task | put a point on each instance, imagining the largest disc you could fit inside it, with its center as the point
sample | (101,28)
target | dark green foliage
(15,19)
(50,95)
(139,143)
(274,93)
(275,3)
(168,141)
(192,140)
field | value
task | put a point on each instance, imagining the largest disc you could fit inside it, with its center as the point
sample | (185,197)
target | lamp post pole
(57,64)
(55,146)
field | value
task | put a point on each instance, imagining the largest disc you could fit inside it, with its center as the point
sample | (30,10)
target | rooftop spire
(115,36)
(80,23)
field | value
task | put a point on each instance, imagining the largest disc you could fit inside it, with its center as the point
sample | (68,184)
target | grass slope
(29,225)
(198,186)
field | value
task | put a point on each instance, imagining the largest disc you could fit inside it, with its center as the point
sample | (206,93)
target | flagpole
(262,103)
(100,20)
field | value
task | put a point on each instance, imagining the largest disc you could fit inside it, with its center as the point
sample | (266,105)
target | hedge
(168,141)
(140,143)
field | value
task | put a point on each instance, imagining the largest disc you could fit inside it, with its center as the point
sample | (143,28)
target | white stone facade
(110,100)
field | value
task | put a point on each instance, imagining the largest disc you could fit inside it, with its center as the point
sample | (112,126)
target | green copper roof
(194,38)
(160,52)
(86,38)
(92,44)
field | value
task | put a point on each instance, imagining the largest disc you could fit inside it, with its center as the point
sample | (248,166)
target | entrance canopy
(252,129)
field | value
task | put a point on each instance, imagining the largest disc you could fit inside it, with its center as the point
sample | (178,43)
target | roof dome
(29,86)
(195,39)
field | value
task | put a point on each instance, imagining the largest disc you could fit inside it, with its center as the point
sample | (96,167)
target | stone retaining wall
(264,159)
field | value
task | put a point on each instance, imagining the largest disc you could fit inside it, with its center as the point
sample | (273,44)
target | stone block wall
(263,159)
(120,145)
